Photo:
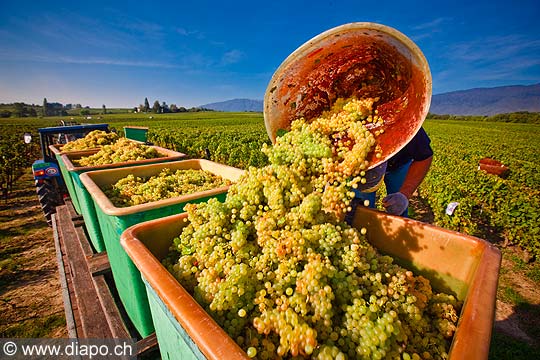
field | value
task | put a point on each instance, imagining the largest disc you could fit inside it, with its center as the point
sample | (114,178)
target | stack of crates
(80,195)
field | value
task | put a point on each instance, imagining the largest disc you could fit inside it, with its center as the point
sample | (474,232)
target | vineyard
(490,207)
(15,155)
(504,211)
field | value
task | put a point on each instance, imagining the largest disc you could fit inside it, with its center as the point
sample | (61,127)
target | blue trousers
(393,179)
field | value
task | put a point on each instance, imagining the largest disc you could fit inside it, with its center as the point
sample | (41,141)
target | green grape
(277,267)
(94,139)
(131,190)
(121,150)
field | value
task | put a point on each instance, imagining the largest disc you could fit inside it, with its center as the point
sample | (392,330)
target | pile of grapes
(122,150)
(133,190)
(277,267)
(92,140)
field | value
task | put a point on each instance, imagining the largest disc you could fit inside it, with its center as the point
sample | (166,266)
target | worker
(403,173)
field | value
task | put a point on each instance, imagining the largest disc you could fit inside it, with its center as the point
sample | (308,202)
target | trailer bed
(91,304)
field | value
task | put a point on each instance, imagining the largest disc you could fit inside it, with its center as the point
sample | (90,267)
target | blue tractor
(50,186)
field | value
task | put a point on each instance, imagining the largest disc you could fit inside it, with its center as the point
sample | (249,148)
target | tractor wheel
(48,198)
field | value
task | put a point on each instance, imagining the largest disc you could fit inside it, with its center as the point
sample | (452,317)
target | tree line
(163,108)
(515,117)
(20,109)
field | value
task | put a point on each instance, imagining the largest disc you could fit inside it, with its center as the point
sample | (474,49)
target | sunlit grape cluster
(134,190)
(285,277)
(94,139)
(122,150)
(330,150)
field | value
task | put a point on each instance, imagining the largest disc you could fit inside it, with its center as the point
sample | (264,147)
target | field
(504,211)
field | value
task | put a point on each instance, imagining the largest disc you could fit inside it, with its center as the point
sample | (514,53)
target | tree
(85,111)
(164,107)
(18,109)
(156,108)
(173,108)
(45,106)
(104,109)
(146,105)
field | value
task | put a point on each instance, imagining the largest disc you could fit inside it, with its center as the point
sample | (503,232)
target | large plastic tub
(79,192)
(464,265)
(113,221)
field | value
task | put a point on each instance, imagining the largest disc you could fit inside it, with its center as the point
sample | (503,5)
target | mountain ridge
(476,101)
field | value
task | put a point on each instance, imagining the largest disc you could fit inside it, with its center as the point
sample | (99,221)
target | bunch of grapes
(122,150)
(133,190)
(285,277)
(93,139)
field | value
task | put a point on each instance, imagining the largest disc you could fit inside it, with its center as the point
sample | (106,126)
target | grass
(510,295)
(35,327)
(505,347)
(534,274)
(30,303)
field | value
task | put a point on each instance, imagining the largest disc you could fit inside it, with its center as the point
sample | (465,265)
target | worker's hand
(395,203)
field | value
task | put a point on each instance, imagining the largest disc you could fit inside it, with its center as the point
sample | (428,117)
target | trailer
(92,307)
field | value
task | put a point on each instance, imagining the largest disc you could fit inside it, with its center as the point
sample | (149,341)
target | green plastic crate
(113,221)
(453,262)
(138,133)
(57,151)
(83,198)
(170,332)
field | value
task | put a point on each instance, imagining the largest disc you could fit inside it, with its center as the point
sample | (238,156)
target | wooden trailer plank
(89,298)
(93,322)
(68,308)
(148,345)
(99,264)
(110,310)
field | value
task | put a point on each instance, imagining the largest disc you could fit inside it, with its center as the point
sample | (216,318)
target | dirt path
(30,297)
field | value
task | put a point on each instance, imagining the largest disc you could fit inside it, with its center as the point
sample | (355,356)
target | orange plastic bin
(464,265)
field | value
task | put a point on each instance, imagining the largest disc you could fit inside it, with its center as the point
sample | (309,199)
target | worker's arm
(416,174)
(396,203)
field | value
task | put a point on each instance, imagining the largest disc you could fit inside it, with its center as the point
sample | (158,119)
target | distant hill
(479,101)
(236,105)
(488,101)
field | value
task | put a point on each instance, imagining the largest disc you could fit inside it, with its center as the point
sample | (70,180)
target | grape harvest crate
(463,265)
(90,298)
(112,222)
(78,191)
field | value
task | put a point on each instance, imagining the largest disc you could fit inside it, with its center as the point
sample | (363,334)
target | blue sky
(195,52)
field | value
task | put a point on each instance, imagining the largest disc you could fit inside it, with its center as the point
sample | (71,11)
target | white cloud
(232,57)
(66,59)
(432,25)
(489,61)
(495,48)
(187,32)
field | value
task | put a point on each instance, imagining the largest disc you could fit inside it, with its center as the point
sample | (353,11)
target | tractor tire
(49,199)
